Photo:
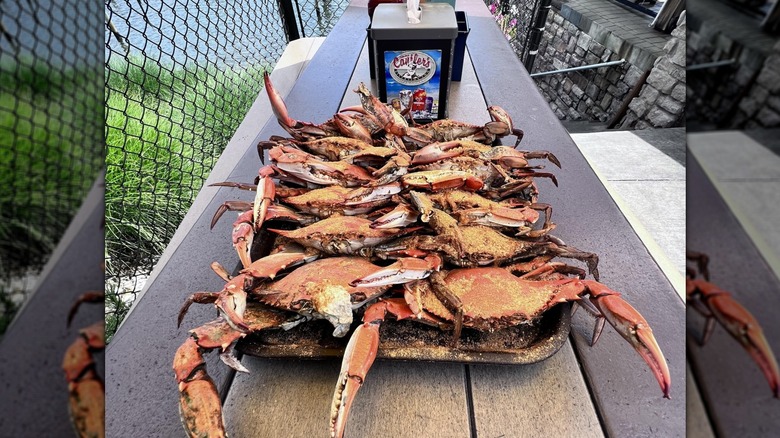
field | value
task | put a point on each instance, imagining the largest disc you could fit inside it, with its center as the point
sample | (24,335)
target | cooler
(413,62)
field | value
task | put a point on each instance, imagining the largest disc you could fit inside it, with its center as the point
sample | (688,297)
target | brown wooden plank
(628,398)
(142,399)
(288,398)
(545,399)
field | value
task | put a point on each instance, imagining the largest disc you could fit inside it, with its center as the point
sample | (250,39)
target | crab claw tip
(650,351)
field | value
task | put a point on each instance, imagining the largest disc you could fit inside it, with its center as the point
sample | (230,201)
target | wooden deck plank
(140,390)
(283,398)
(733,388)
(543,399)
(627,396)
(34,345)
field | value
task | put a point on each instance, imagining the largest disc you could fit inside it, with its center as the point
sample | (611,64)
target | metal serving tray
(411,340)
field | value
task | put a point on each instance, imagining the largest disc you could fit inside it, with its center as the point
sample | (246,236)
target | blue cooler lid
(437,21)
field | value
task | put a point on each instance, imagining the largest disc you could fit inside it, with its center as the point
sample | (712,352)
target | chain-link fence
(180,76)
(51,132)
(515,18)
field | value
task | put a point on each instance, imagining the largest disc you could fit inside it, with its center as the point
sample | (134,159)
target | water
(221,32)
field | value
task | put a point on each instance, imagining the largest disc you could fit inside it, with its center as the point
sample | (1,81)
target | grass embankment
(165,129)
(51,124)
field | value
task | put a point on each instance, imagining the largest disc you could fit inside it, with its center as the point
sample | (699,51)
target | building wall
(661,102)
(597,95)
(732,95)
(594,94)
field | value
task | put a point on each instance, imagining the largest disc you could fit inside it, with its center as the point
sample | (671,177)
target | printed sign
(413,78)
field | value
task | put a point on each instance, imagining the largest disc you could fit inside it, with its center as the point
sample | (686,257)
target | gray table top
(581,391)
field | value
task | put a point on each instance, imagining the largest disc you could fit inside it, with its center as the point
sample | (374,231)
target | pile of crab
(392,220)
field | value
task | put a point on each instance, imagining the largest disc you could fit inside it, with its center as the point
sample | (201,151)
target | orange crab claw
(243,235)
(199,406)
(87,297)
(231,305)
(86,392)
(266,192)
(436,151)
(744,327)
(358,358)
(277,104)
(269,266)
(435,180)
(352,128)
(633,328)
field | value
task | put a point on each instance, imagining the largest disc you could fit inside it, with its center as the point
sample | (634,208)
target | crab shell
(339,235)
(321,289)
(336,199)
(493,298)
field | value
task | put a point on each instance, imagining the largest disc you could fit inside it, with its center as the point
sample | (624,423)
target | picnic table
(583,391)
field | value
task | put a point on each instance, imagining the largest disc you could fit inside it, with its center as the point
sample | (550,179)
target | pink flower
(493,8)
(513,22)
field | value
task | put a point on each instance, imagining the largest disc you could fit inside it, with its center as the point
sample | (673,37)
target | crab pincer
(358,358)
(632,326)
(718,305)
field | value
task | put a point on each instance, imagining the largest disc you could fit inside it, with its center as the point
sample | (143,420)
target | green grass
(50,129)
(7,310)
(165,129)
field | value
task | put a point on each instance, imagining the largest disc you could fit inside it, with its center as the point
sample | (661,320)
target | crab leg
(632,327)
(741,325)
(85,387)
(358,358)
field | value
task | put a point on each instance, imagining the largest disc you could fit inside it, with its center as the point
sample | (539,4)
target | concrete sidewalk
(645,174)
(746,173)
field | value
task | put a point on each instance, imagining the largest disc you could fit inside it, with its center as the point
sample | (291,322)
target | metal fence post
(535,36)
(288,19)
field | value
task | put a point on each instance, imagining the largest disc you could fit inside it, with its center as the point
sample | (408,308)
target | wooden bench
(580,391)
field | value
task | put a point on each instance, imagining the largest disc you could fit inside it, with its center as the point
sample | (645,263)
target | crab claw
(633,328)
(243,235)
(402,271)
(277,104)
(350,127)
(231,305)
(199,406)
(436,151)
(399,217)
(87,297)
(741,324)
(435,180)
(358,358)
(502,124)
(266,191)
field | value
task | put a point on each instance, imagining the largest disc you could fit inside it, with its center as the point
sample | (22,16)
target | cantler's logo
(412,68)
